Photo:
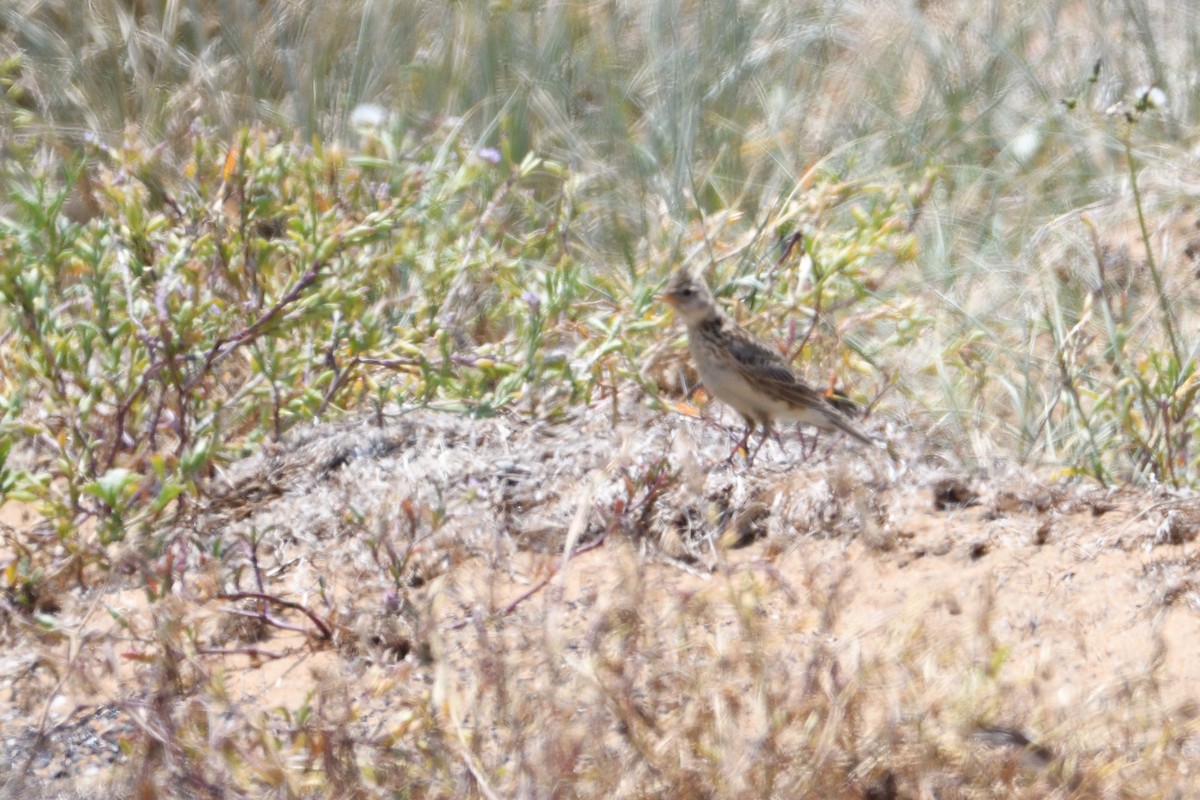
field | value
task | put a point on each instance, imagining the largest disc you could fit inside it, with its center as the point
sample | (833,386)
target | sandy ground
(1041,615)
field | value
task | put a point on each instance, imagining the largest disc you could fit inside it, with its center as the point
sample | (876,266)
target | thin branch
(321,625)
(537,587)
(266,617)
(223,347)
(252,652)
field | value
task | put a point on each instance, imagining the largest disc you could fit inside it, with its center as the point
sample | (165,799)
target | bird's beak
(669,299)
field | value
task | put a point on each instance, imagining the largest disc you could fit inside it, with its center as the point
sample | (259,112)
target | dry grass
(366,610)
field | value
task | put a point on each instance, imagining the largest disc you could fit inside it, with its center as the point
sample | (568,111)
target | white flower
(369,115)
(1150,97)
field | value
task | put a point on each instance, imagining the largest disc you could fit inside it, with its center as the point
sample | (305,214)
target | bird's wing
(758,359)
(765,368)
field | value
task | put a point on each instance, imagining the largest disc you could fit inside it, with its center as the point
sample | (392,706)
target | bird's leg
(766,434)
(809,447)
(743,442)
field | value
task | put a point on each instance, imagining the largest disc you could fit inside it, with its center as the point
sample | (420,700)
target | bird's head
(689,296)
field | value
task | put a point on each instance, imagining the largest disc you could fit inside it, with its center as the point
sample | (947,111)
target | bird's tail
(849,429)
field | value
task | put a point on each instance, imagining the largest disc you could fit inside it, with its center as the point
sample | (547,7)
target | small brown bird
(744,373)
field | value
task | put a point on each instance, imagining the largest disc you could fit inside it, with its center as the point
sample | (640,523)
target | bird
(746,374)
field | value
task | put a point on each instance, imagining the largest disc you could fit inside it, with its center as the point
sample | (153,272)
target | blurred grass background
(996,203)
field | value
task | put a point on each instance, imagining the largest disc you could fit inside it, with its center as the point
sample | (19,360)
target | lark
(746,374)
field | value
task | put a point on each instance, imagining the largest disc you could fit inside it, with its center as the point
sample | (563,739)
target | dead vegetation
(377,608)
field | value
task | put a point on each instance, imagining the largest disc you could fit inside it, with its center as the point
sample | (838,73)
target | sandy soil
(1007,611)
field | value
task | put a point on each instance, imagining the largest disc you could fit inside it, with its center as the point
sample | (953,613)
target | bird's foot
(741,446)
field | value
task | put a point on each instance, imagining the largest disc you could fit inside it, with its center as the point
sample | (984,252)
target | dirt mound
(388,603)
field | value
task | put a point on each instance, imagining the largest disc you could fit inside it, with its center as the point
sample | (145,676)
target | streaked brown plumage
(744,373)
